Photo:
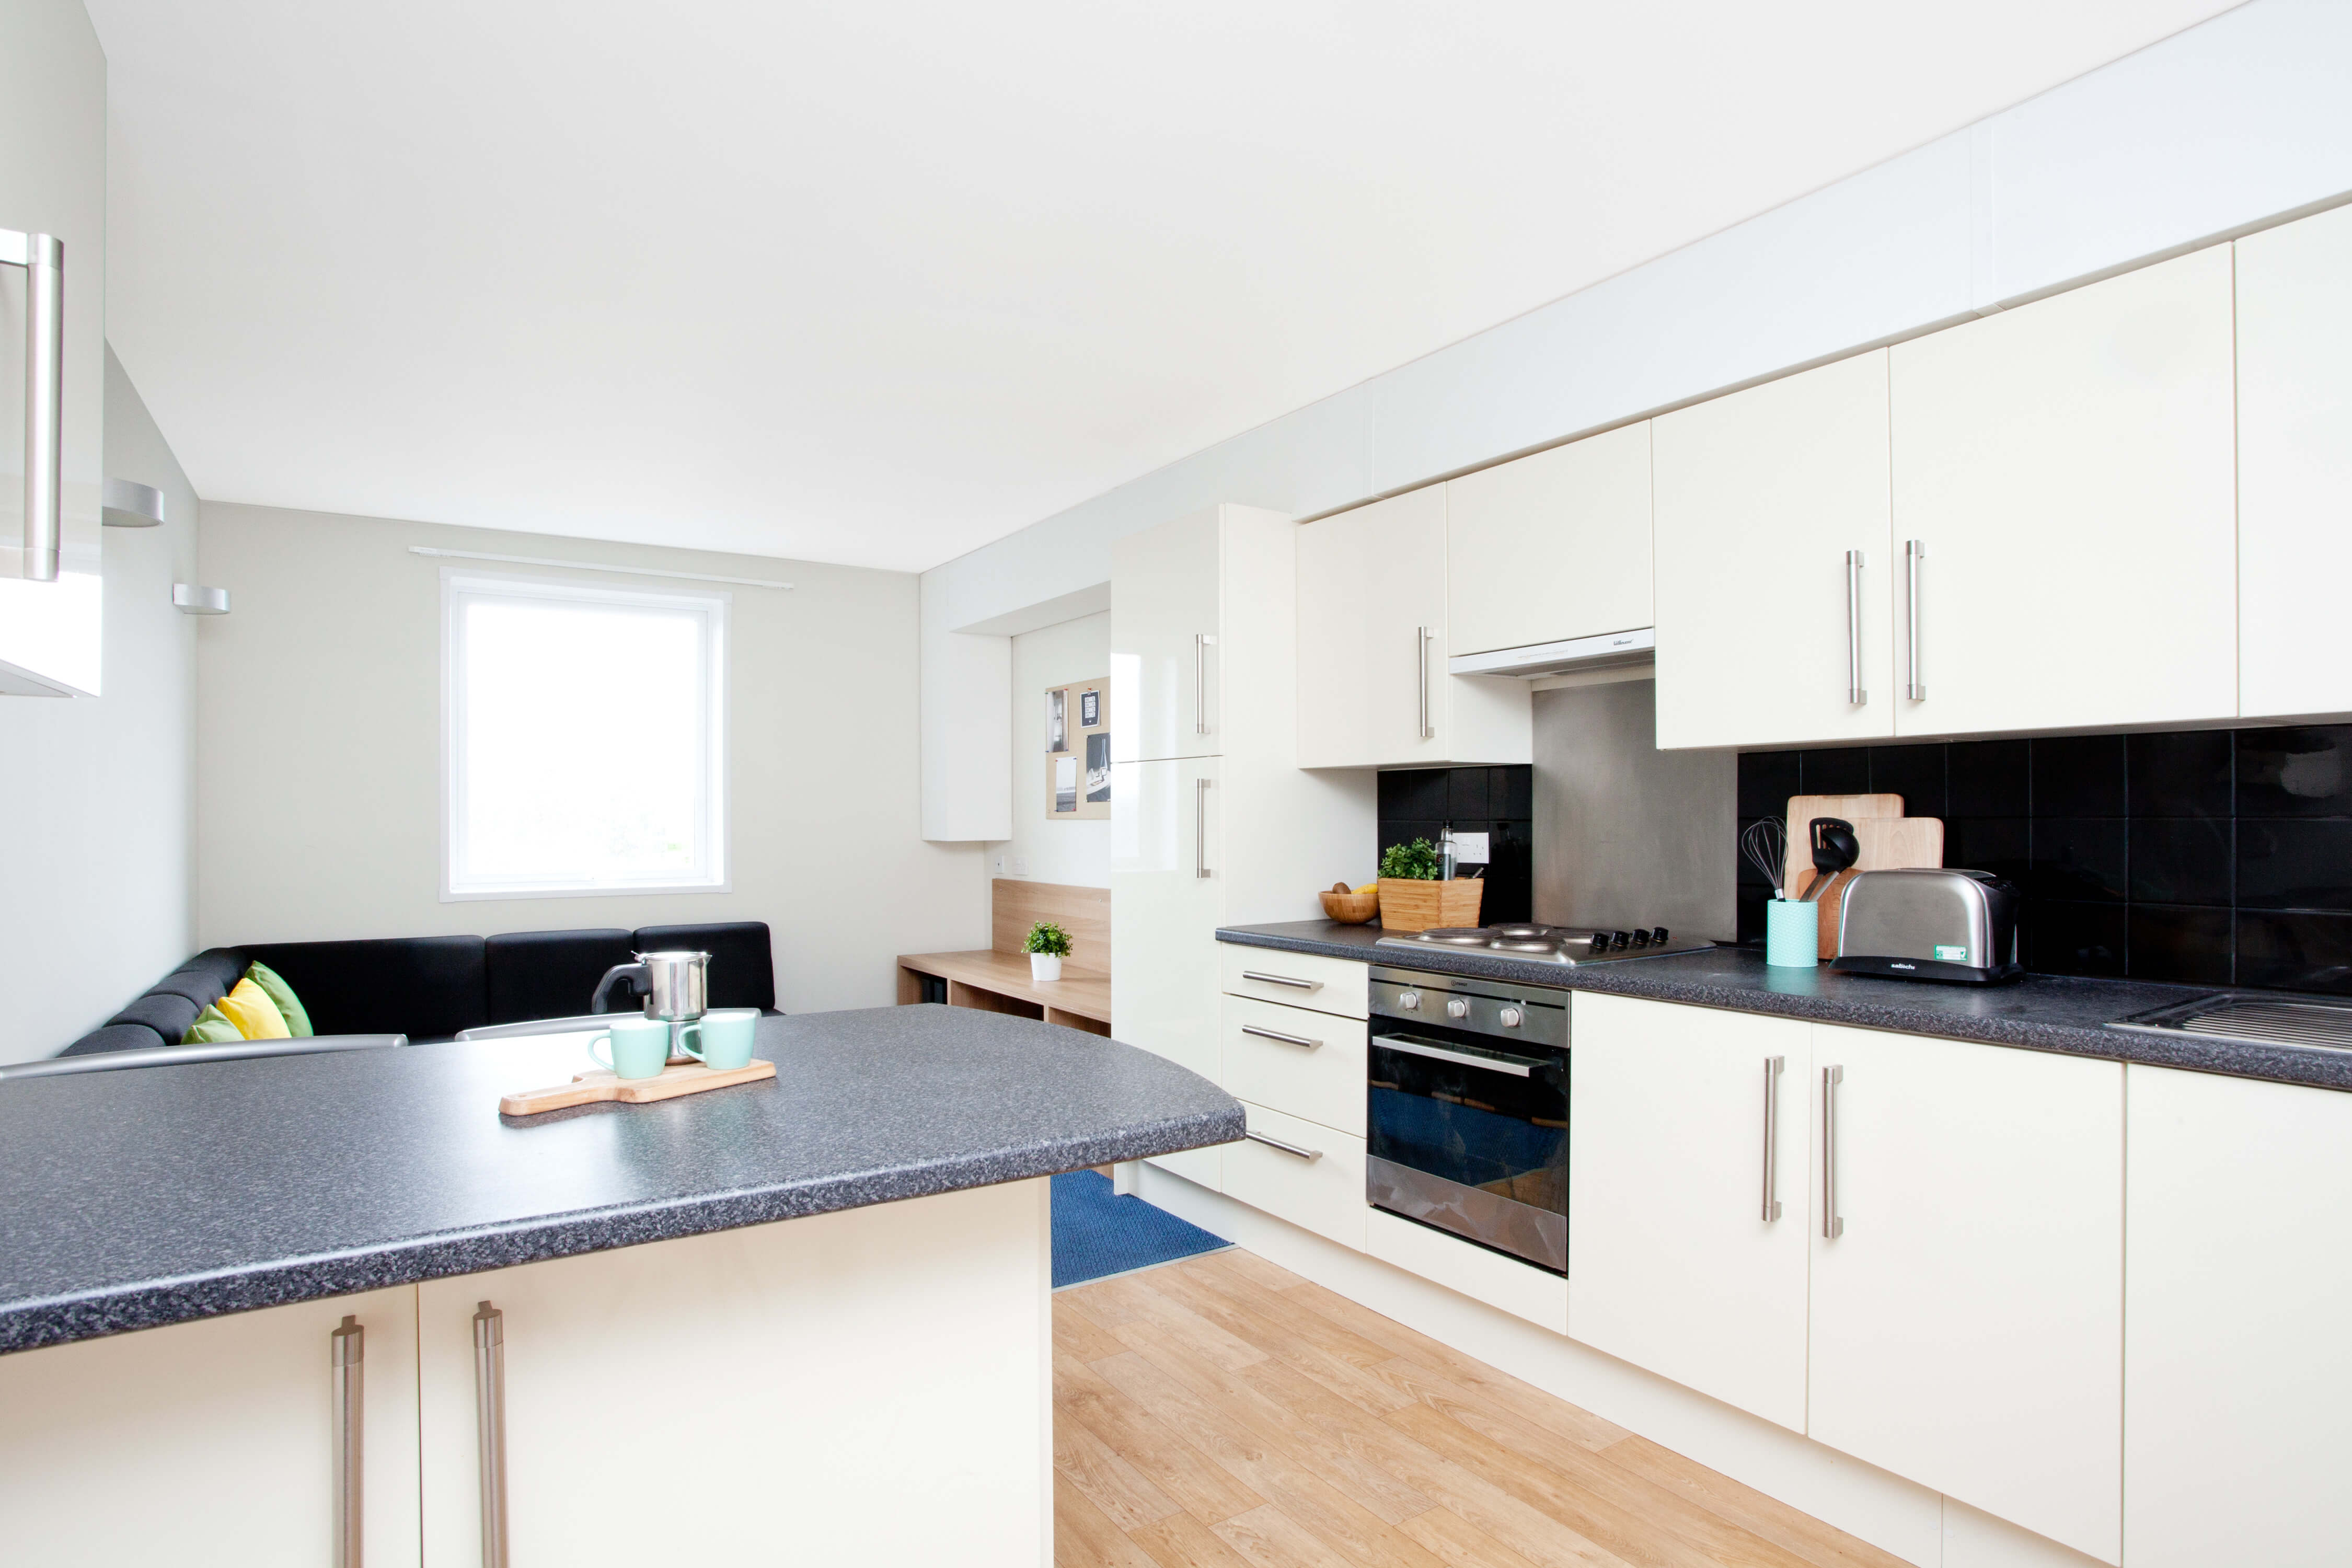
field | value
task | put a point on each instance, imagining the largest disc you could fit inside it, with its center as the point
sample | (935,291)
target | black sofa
(429,987)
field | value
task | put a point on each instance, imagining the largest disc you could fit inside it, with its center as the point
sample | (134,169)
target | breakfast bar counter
(792,1294)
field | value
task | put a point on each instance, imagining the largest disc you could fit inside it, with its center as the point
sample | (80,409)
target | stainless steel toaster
(1930,924)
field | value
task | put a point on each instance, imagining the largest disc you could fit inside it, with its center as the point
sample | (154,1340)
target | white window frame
(460,585)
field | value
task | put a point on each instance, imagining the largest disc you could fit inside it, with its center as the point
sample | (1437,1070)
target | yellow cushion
(256,1017)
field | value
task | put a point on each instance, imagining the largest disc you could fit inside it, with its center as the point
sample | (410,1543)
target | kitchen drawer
(1340,985)
(1321,1189)
(1520,1288)
(1201,1168)
(1322,1080)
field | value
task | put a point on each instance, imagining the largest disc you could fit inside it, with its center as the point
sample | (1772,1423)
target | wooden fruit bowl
(1351,909)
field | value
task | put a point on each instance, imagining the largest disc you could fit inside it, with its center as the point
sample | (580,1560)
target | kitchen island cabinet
(733,1324)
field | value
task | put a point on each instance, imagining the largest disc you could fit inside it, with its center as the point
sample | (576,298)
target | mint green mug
(639,1047)
(725,1037)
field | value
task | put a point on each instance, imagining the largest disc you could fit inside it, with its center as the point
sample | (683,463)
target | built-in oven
(1468,1109)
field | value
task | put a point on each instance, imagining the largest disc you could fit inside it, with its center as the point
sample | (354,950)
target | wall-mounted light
(128,505)
(191,600)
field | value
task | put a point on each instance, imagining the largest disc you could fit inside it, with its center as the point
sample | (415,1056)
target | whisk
(1766,844)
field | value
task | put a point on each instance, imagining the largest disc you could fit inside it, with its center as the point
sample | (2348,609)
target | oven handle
(1518,1067)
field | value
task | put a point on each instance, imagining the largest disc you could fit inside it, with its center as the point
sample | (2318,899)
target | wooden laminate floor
(1224,1413)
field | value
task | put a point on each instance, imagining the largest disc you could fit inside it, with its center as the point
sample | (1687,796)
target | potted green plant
(1412,897)
(1048,944)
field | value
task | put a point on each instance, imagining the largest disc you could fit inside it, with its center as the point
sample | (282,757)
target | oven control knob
(1457,1008)
(1509,1017)
(1409,1000)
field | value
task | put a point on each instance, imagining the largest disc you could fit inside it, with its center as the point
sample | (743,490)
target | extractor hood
(1610,650)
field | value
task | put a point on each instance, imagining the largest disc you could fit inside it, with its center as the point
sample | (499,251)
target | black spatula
(1834,849)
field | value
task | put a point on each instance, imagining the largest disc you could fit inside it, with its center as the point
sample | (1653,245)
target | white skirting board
(1898,1516)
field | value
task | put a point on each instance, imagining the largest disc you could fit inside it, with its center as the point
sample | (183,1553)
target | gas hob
(1568,945)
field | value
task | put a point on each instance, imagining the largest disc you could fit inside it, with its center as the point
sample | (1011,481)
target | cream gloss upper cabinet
(53,182)
(1774,622)
(1551,547)
(2294,468)
(2237,1414)
(1967,1318)
(1374,692)
(1687,1200)
(2067,468)
(1165,614)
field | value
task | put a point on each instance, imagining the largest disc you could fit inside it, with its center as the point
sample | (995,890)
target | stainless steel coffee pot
(676,985)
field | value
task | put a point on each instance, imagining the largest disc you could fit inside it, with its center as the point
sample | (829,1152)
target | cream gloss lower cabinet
(212,1443)
(759,1395)
(1373,690)
(1688,1202)
(2237,1375)
(1167,899)
(1966,1316)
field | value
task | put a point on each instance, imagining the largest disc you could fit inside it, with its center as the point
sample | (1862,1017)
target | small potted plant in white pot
(1048,944)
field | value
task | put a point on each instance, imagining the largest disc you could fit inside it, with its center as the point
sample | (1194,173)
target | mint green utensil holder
(1792,934)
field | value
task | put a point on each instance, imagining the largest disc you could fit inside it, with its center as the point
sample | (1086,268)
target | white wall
(318,779)
(2221,128)
(94,869)
(1041,849)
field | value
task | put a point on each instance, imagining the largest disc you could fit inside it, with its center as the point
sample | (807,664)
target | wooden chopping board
(1803,808)
(1888,844)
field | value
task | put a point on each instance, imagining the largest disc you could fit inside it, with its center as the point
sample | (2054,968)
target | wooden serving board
(588,1088)
(1803,808)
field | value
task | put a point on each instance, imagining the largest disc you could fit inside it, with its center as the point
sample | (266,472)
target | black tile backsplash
(1418,803)
(2209,857)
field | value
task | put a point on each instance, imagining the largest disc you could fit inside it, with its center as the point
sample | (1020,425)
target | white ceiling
(877,283)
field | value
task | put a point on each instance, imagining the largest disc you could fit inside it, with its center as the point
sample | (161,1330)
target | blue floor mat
(1098,1232)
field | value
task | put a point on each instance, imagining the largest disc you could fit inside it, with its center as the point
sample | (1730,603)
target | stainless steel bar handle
(348,1353)
(1422,636)
(43,258)
(1201,643)
(490,1415)
(1915,550)
(1772,1065)
(1854,690)
(1293,1149)
(1295,984)
(1199,827)
(1833,1222)
(1278,1034)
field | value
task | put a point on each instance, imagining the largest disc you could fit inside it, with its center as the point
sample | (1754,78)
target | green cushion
(298,1022)
(212,1028)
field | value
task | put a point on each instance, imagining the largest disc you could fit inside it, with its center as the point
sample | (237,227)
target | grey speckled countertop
(155,1196)
(2043,1013)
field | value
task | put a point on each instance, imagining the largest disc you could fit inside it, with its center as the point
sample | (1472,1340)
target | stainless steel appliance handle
(1199,827)
(491,1414)
(1421,644)
(1201,642)
(1833,1222)
(1772,1065)
(1293,1149)
(1518,1067)
(347,1352)
(1855,692)
(1915,550)
(43,258)
(1278,1034)
(1295,985)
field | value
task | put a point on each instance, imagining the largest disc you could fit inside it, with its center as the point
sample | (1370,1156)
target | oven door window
(1470,1115)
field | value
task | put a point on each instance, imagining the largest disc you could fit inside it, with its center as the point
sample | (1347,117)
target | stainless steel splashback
(1624,831)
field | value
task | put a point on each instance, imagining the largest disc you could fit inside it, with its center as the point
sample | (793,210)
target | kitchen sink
(2239,1016)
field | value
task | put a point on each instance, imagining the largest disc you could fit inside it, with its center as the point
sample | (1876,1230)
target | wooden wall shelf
(996,979)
